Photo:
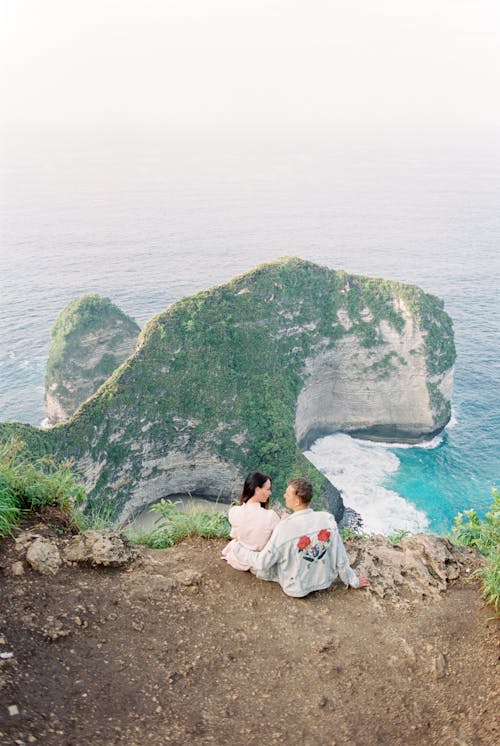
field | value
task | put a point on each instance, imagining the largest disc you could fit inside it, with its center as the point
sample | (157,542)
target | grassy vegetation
(353,533)
(27,485)
(398,535)
(470,530)
(173,525)
(97,517)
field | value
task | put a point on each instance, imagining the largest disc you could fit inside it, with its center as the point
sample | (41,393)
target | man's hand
(363,582)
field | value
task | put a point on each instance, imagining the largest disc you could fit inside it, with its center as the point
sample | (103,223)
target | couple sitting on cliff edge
(303,552)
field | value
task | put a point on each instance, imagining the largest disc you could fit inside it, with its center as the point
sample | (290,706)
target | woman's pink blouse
(252,526)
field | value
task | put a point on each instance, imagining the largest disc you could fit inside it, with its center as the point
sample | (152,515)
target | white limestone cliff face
(198,474)
(379,392)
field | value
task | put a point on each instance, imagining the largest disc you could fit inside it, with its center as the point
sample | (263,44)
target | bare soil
(180,648)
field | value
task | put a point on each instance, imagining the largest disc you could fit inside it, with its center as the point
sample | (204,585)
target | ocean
(147,220)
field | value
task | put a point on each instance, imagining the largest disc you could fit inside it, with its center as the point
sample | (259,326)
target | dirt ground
(181,649)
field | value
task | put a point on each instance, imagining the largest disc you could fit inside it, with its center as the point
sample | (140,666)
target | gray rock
(421,566)
(189,577)
(439,667)
(24,539)
(393,406)
(17,568)
(44,557)
(108,548)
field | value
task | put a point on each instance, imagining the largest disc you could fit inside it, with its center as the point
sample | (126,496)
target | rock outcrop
(107,548)
(381,393)
(422,565)
(90,338)
(47,554)
(241,376)
(43,556)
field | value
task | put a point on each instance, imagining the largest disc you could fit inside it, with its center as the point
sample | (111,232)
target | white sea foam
(427,445)
(358,469)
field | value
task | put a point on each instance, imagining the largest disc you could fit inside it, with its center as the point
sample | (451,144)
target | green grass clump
(353,533)
(397,535)
(97,517)
(10,512)
(173,525)
(27,484)
(470,530)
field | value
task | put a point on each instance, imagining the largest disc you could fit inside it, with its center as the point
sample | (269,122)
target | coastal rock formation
(241,376)
(422,565)
(90,338)
(381,393)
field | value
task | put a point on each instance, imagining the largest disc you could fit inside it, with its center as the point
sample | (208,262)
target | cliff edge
(176,647)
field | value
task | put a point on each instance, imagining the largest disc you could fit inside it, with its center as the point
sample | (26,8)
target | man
(305,552)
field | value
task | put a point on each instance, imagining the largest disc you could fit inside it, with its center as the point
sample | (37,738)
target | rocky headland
(90,338)
(244,375)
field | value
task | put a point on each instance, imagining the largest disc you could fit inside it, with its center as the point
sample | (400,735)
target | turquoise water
(456,470)
(146,222)
(460,471)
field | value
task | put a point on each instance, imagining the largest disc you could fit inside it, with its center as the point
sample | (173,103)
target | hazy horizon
(350,71)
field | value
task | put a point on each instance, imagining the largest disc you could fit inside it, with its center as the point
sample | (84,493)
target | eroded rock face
(47,555)
(198,474)
(381,393)
(90,338)
(107,548)
(43,556)
(422,565)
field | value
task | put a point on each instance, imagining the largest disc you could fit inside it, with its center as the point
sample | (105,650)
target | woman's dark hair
(254,479)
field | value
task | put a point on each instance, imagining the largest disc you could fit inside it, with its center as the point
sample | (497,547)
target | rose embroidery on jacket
(303,542)
(314,552)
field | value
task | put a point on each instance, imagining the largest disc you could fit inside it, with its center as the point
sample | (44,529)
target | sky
(316,68)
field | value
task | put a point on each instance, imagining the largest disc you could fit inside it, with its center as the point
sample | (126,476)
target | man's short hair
(303,489)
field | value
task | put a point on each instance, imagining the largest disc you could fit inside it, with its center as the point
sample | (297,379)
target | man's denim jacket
(305,553)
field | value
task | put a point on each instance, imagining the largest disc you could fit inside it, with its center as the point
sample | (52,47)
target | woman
(250,525)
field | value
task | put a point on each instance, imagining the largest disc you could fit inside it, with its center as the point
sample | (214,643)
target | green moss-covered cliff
(90,338)
(237,377)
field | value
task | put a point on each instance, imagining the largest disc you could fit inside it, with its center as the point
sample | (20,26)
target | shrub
(173,525)
(96,518)
(470,530)
(398,535)
(27,484)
